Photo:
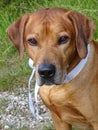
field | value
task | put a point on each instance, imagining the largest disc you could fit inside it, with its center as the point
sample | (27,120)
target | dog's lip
(49,83)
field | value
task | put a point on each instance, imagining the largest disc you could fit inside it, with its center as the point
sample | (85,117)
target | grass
(14,73)
(12,128)
(3,105)
(49,127)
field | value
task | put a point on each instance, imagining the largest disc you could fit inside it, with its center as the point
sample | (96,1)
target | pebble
(16,113)
(6,127)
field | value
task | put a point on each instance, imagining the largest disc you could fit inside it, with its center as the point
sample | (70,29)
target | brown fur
(74,103)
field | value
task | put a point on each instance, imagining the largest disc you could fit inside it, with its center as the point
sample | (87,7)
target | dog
(58,40)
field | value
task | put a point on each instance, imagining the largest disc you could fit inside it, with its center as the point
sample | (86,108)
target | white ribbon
(71,75)
(33,106)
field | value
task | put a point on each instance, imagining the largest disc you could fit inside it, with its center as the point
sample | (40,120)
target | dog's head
(52,38)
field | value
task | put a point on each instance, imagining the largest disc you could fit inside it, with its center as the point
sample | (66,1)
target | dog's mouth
(53,79)
(48,82)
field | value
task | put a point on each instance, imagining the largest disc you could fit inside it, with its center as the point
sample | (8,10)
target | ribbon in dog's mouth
(34,104)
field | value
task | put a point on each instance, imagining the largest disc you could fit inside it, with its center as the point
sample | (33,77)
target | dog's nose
(46,70)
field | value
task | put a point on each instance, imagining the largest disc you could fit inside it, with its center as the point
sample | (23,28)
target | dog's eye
(63,39)
(32,41)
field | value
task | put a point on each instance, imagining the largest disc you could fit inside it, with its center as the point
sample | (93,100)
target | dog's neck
(74,61)
(77,66)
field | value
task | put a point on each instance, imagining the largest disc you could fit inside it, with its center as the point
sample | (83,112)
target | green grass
(12,128)
(3,105)
(49,127)
(14,73)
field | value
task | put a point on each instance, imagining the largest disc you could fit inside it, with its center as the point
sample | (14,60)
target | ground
(15,113)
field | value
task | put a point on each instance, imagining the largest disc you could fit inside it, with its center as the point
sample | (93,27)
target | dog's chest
(68,107)
(72,116)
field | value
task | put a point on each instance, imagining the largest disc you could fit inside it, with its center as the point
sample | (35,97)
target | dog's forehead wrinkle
(47,24)
(47,14)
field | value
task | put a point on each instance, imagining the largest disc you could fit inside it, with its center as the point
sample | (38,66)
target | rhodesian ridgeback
(60,43)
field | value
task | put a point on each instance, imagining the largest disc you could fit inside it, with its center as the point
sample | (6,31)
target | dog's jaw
(58,78)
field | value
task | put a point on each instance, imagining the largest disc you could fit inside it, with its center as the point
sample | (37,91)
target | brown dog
(57,40)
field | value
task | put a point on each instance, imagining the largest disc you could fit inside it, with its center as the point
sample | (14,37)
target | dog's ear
(84,29)
(15,33)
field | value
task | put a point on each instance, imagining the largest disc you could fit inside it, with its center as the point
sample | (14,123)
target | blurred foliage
(13,72)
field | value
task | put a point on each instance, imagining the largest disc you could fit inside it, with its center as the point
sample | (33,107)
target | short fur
(76,102)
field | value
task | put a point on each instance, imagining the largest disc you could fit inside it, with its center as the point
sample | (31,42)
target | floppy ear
(15,33)
(84,28)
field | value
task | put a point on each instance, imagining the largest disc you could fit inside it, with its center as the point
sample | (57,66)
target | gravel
(15,113)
